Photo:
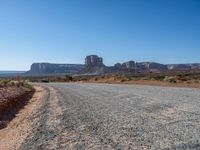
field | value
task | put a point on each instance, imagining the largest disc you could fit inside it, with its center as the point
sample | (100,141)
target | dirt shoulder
(146,82)
(12,99)
(19,128)
(163,83)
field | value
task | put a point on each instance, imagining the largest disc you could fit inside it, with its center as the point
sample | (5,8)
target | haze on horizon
(65,31)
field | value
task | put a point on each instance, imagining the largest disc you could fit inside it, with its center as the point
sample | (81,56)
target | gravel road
(104,116)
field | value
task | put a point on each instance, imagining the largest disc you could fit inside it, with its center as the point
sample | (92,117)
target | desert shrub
(145,78)
(182,78)
(68,78)
(159,77)
(196,81)
(188,82)
(4,82)
(27,85)
(171,79)
(11,83)
(129,78)
(18,83)
(45,80)
(122,80)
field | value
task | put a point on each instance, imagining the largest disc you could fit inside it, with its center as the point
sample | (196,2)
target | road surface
(105,116)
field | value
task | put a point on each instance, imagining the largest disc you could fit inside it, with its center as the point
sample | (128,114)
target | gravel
(106,116)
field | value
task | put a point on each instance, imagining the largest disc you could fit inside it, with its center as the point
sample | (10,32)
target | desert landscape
(93,106)
(99,75)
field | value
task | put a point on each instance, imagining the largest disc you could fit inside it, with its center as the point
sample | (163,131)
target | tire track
(46,124)
(20,127)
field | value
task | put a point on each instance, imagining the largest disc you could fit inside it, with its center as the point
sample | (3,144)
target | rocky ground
(103,116)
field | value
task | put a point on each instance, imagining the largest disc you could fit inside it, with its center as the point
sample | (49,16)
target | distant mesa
(153,66)
(48,68)
(94,66)
(141,66)
(183,66)
(94,61)
(126,65)
(129,65)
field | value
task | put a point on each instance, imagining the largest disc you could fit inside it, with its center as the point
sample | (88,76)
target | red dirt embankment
(12,99)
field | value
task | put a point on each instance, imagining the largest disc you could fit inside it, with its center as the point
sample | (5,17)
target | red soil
(11,100)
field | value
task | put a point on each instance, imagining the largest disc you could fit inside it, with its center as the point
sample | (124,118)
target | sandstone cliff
(48,68)
(94,66)
(93,61)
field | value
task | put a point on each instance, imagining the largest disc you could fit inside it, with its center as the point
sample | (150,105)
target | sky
(65,31)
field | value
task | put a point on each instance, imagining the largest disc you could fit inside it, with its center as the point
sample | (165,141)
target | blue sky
(65,31)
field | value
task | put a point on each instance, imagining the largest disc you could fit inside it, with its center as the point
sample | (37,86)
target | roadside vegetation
(14,94)
(167,77)
(176,78)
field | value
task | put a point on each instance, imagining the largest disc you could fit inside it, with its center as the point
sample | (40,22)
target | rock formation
(183,66)
(128,65)
(179,67)
(154,66)
(93,61)
(132,66)
(117,66)
(94,66)
(47,68)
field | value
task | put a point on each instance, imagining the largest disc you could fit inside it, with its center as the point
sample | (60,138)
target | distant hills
(11,73)
(94,66)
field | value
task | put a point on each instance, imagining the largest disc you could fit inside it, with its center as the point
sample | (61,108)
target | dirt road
(105,116)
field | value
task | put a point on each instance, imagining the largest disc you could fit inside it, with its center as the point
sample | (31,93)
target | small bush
(196,81)
(4,82)
(45,80)
(170,79)
(188,82)
(68,78)
(159,78)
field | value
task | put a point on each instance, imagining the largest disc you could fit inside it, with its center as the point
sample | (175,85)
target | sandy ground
(146,82)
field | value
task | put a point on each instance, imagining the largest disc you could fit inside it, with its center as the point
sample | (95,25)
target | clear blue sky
(65,31)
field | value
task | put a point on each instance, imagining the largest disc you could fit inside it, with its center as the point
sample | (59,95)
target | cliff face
(153,66)
(93,61)
(94,66)
(142,66)
(47,68)
(128,65)
(184,66)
